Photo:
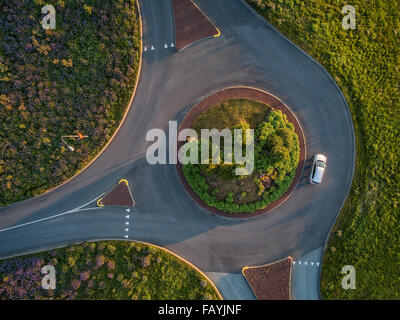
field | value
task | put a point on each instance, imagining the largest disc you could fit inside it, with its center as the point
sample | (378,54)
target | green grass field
(230,113)
(104,270)
(365,63)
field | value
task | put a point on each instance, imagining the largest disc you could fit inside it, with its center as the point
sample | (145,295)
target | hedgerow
(76,78)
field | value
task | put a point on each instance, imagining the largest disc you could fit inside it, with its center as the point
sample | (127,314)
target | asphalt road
(248,53)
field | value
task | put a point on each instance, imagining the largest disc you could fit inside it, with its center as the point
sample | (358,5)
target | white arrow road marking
(126,236)
(127,223)
(128,210)
(293,262)
(172,45)
(152,48)
(165,46)
(145,49)
(312,263)
(317,264)
(305,263)
(127,216)
(300,262)
(126,229)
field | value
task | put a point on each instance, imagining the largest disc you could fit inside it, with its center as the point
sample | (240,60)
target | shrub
(61,82)
(276,152)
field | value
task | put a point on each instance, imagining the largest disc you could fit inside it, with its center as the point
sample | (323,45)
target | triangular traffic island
(191,24)
(271,281)
(119,196)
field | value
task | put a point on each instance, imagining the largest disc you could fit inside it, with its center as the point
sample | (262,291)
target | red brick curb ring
(243,93)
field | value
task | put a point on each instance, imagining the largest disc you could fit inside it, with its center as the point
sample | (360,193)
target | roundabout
(248,53)
(272,104)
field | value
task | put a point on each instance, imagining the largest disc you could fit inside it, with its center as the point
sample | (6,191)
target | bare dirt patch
(271,281)
(120,196)
(190,24)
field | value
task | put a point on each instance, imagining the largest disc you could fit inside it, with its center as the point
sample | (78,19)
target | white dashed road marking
(126,236)
(306,263)
(152,48)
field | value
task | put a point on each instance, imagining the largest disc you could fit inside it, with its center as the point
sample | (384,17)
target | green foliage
(365,64)
(118,270)
(229,198)
(277,146)
(76,78)
(276,150)
(230,114)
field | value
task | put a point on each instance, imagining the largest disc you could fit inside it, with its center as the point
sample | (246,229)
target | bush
(276,151)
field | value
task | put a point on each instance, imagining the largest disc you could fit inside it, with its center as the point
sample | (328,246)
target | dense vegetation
(365,63)
(276,154)
(78,77)
(104,270)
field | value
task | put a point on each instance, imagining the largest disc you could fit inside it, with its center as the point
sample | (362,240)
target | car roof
(318,174)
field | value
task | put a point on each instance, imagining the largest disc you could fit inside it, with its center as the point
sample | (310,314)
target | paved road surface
(251,53)
(305,276)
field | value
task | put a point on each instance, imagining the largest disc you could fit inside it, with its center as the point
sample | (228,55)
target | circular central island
(278,152)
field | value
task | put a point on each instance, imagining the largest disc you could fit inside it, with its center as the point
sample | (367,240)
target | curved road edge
(348,115)
(65,244)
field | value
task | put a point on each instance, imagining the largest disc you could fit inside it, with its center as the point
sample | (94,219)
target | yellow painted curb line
(218,34)
(123,180)
(99,202)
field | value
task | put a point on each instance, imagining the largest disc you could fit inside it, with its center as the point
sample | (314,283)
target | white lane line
(55,216)
(88,203)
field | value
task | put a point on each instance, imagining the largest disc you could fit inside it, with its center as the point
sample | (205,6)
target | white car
(318,169)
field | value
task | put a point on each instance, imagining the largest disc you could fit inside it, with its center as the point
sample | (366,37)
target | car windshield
(320,164)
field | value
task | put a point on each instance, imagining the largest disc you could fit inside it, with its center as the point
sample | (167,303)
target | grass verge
(365,63)
(78,77)
(104,270)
